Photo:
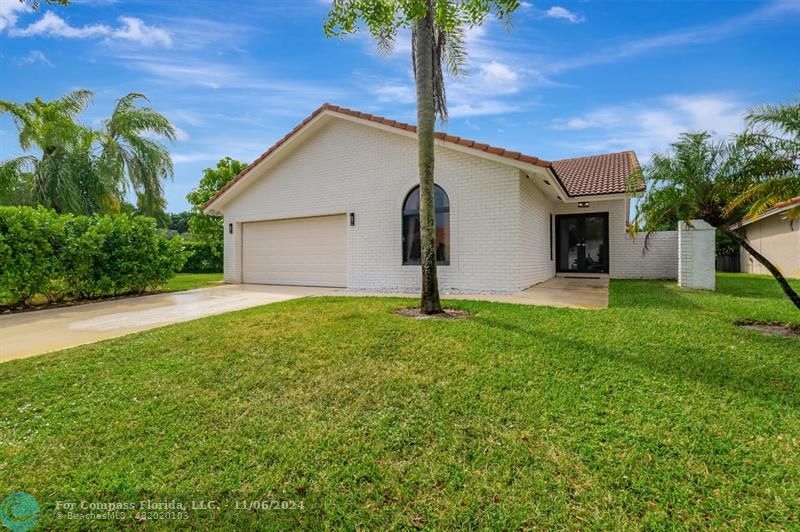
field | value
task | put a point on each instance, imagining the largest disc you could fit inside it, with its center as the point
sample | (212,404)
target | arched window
(411,243)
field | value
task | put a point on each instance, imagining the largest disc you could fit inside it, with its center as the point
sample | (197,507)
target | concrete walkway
(32,333)
(565,292)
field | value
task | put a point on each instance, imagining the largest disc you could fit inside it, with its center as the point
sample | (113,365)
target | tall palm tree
(698,179)
(132,157)
(433,49)
(51,129)
(437,28)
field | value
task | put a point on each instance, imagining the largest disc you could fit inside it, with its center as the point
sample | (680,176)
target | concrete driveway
(32,333)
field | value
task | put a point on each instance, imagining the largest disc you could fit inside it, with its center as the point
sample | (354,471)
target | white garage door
(302,251)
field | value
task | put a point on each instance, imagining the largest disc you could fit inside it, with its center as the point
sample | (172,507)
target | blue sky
(569,78)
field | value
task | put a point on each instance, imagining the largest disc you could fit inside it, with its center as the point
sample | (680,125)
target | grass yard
(657,413)
(190,281)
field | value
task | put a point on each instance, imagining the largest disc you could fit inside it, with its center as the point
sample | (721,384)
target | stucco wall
(348,167)
(778,240)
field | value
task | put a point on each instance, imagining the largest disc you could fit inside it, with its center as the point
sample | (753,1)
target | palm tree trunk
(423,60)
(787,289)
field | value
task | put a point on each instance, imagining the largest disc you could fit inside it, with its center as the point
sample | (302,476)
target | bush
(201,258)
(64,256)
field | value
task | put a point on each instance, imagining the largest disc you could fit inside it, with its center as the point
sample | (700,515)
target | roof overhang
(780,207)
(540,170)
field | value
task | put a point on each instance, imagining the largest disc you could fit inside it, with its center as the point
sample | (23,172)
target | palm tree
(699,179)
(437,28)
(51,129)
(775,128)
(131,157)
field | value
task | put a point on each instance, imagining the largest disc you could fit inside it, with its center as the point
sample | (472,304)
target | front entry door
(582,244)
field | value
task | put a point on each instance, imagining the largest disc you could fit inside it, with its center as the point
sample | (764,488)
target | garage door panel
(303,251)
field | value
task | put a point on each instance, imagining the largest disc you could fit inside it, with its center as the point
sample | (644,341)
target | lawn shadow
(751,286)
(732,374)
(646,296)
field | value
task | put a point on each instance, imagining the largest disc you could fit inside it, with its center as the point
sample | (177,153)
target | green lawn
(190,281)
(657,413)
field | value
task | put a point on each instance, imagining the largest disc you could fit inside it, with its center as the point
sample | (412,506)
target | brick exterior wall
(348,167)
(696,255)
(499,241)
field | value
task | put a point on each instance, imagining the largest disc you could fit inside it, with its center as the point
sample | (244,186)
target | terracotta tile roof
(782,204)
(579,177)
(597,174)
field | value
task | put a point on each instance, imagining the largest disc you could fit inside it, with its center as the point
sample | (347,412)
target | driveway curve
(32,333)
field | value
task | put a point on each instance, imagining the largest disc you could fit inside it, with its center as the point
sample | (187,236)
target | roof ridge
(439,135)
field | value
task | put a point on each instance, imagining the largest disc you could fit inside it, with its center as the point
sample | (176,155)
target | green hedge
(201,258)
(66,257)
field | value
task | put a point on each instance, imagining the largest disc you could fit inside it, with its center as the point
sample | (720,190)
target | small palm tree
(698,179)
(775,128)
(131,157)
(51,129)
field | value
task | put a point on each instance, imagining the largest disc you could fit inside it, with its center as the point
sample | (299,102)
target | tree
(775,128)
(699,179)
(34,4)
(206,228)
(130,155)
(51,129)
(437,30)
(178,221)
(70,167)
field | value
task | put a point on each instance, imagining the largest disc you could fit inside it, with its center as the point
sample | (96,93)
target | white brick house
(333,204)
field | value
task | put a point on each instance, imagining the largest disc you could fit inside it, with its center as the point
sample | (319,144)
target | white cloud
(564,13)
(9,12)
(134,29)
(481,108)
(131,30)
(391,92)
(180,134)
(35,56)
(651,126)
(497,78)
(182,158)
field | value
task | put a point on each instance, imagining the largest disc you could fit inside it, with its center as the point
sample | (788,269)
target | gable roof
(582,176)
(597,174)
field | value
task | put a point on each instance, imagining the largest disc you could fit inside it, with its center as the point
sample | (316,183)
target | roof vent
(546,182)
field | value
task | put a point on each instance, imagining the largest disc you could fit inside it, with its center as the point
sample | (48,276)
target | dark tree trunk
(787,289)
(423,61)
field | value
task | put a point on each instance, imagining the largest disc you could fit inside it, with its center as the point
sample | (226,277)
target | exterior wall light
(583,204)
(352,219)
(230,229)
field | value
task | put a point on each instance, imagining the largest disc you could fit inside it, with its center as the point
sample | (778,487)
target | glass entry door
(582,243)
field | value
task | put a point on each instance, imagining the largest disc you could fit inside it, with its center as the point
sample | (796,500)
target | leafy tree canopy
(206,228)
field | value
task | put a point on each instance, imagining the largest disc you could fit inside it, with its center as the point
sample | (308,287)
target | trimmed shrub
(201,258)
(65,256)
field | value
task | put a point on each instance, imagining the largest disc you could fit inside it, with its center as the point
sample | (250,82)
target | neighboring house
(335,203)
(776,237)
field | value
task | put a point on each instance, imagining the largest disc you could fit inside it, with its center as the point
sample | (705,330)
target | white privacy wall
(659,261)
(696,255)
